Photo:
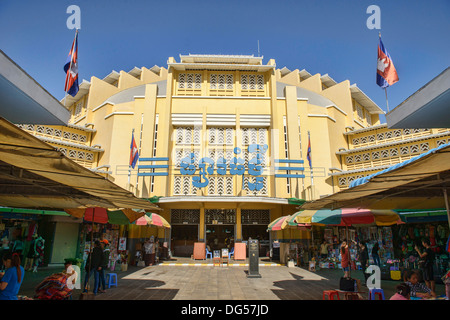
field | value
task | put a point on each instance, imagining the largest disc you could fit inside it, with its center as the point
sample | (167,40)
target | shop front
(328,253)
(41,237)
(429,224)
(184,232)
(220,222)
(254,226)
(220,226)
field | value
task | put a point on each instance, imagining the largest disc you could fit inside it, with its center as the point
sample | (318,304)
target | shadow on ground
(300,288)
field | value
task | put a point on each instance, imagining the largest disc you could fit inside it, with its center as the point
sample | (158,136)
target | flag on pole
(71,69)
(134,154)
(386,73)
(308,154)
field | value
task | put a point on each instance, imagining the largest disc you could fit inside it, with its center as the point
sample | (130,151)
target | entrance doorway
(254,225)
(219,236)
(257,232)
(183,239)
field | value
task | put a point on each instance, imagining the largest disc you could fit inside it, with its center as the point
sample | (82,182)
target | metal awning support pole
(447,205)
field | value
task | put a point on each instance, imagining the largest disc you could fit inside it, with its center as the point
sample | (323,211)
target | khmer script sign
(236,166)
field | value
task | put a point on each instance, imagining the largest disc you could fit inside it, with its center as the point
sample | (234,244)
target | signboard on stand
(253,253)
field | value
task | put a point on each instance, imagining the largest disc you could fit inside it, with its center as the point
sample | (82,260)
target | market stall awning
(422,215)
(418,183)
(346,217)
(33,174)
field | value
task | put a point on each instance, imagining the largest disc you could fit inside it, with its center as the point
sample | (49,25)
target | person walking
(12,278)
(363,257)
(152,250)
(93,266)
(157,251)
(147,252)
(104,264)
(375,255)
(428,261)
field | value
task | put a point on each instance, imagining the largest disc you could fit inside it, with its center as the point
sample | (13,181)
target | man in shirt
(93,266)
(104,245)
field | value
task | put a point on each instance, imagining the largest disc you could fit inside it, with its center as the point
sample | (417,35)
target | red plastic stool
(330,294)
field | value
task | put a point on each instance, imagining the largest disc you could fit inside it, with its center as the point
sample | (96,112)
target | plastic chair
(231,253)
(208,253)
(330,294)
(111,280)
(373,292)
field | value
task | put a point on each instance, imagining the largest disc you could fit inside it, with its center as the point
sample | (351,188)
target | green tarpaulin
(296,201)
(33,211)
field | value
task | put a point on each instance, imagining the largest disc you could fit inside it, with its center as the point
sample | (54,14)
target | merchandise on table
(53,288)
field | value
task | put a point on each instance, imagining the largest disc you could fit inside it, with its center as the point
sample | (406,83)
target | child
(418,289)
(403,292)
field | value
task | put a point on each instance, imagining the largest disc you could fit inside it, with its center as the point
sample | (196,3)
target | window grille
(185,216)
(342,181)
(223,216)
(404,150)
(424,146)
(251,216)
(393,152)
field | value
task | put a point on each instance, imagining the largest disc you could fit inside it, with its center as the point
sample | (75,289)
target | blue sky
(319,36)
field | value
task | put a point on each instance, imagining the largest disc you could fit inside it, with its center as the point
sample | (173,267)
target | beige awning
(418,183)
(33,174)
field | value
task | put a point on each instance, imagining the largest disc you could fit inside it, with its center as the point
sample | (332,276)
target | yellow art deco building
(223,141)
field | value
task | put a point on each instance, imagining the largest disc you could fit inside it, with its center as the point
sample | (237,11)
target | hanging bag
(347,284)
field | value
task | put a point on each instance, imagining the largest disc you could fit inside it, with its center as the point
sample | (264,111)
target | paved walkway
(184,282)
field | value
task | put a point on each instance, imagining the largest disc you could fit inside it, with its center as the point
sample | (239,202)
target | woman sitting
(12,278)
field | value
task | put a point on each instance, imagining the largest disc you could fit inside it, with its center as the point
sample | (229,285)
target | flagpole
(387,104)
(139,152)
(70,67)
(129,164)
(311,169)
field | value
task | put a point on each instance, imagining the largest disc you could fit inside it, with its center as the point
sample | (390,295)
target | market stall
(341,224)
(422,224)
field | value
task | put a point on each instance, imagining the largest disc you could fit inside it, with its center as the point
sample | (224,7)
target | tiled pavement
(184,282)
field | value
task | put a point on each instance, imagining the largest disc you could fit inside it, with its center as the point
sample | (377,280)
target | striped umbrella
(276,225)
(292,224)
(153,219)
(345,217)
(103,215)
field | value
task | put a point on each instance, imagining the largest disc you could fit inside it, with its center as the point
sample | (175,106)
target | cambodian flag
(134,154)
(386,73)
(71,69)
(308,154)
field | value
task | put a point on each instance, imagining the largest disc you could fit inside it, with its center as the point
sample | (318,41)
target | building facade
(223,141)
